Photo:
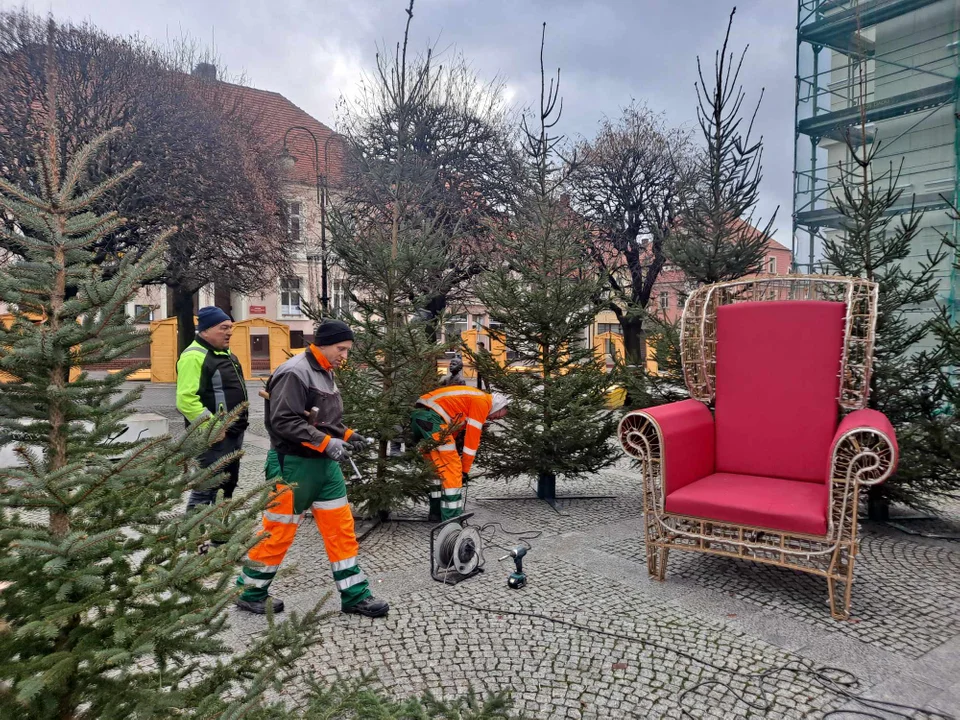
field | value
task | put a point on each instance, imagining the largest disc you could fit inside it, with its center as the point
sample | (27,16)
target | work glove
(358,443)
(337,449)
(466,478)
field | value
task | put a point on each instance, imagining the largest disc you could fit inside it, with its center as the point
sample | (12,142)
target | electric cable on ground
(822,675)
(834,680)
(523,536)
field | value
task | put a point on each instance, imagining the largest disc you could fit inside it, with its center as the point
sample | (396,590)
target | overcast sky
(609,52)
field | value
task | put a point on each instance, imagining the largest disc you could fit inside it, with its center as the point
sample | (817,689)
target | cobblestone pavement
(595,638)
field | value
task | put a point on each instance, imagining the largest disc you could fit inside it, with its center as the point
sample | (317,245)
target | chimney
(205,71)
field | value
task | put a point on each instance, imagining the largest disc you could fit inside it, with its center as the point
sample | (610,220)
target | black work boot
(260,606)
(371,607)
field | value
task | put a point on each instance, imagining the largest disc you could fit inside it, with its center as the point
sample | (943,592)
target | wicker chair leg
(664,552)
(840,580)
(841,591)
(651,536)
(657,561)
(652,560)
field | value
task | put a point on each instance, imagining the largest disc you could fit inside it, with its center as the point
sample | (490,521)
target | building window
(604,328)
(772,265)
(663,300)
(341,297)
(260,345)
(495,326)
(143,313)
(293,221)
(454,327)
(290,296)
(682,300)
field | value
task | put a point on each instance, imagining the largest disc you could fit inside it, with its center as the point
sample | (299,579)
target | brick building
(313,173)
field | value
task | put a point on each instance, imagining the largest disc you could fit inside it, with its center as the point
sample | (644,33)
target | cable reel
(456,550)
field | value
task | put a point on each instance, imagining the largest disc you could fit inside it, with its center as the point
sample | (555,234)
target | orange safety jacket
(461,405)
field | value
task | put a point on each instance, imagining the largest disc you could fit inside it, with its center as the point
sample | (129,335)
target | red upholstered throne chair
(774,473)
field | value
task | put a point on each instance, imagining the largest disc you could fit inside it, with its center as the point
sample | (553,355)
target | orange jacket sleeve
(471,437)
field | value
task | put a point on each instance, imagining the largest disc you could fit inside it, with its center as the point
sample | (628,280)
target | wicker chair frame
(862,457)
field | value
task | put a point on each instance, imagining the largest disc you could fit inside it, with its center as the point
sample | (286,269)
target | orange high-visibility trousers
(441,415)
(314,484)
(447,461)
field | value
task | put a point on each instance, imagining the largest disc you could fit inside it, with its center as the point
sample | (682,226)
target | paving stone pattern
(429,642)
(588,569)
(906,597)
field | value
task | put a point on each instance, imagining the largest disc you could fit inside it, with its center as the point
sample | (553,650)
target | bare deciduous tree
(206,170)
(451,150)
(629,182)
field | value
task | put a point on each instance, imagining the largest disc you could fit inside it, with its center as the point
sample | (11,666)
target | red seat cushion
(777,383)
(763,502)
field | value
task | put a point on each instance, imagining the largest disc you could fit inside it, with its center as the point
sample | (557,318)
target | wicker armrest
(674,441)
(864,449)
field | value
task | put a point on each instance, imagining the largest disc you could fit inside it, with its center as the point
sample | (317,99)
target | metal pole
(321,204)
(814,141)
(324,295)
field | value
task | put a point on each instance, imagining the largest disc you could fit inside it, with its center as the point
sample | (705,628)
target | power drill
(517,579)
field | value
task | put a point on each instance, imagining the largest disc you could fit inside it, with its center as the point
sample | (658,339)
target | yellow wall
(7,320)
(163,350)
(279,343)
(163,346)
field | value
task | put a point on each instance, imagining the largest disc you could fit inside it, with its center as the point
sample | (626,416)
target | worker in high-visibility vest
(303,461)
(438,417)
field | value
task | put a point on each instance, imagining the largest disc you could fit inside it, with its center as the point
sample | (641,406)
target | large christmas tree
(542,297)
(397,252)
(718,238)
(108,611)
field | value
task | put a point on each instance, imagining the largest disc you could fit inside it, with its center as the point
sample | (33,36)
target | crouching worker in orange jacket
(303,461)
(440,416)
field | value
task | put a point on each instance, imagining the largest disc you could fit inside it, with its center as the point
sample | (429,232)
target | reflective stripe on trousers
(448,465)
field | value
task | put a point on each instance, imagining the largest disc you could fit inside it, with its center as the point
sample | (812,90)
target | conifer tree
(108,610)
(908,384)
(542,298)
(397,256)
(717,238)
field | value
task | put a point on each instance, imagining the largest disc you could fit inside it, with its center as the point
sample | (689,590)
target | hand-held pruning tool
(517,579)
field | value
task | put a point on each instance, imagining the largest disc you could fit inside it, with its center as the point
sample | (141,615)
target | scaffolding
(899,60)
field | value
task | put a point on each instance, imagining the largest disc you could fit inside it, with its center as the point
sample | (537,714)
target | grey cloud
(610,51)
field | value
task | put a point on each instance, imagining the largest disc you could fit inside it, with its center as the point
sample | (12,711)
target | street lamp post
(288,162)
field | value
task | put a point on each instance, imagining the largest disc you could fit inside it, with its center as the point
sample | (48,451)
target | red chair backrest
(777,383)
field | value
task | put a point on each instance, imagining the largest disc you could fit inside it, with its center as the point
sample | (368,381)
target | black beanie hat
(207,317)
(330,332)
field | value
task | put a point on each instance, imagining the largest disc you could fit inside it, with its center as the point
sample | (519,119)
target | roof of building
(275,116)
(771,243)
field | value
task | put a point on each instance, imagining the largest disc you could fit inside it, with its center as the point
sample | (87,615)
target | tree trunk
(547,486)
(878,506)
(634,341)
(183,309)
(222,298)
(435,307)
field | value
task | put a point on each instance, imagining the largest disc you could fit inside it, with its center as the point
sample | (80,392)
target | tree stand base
(547,491)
